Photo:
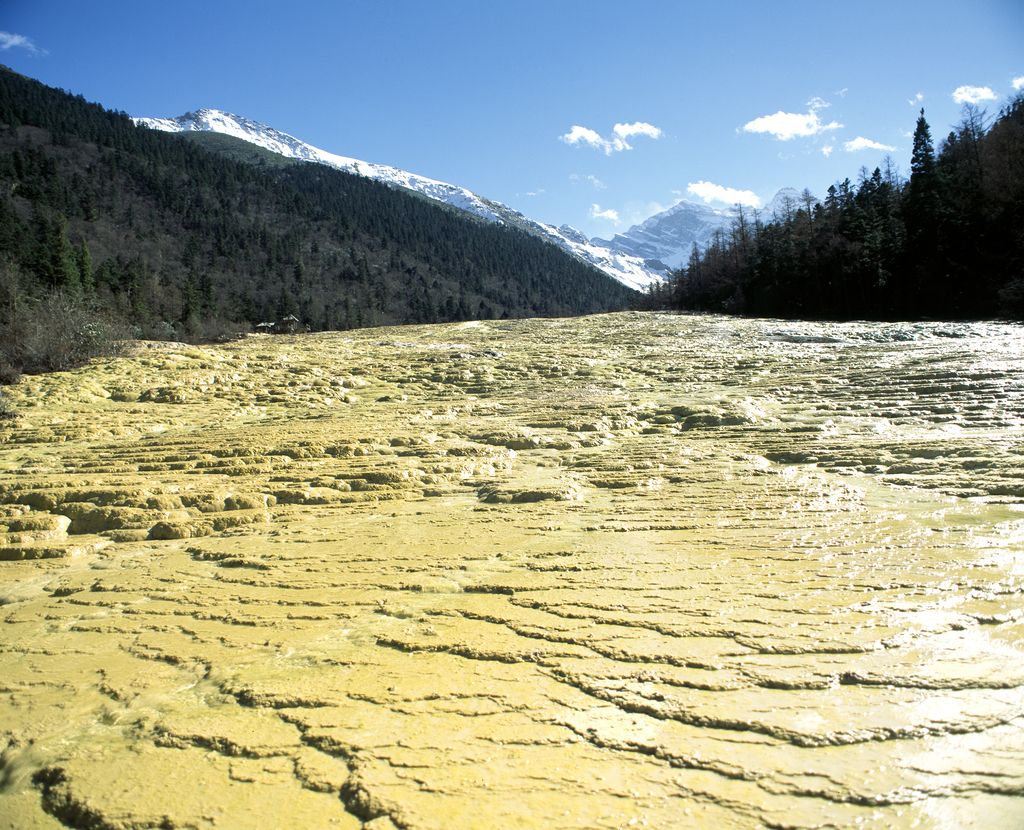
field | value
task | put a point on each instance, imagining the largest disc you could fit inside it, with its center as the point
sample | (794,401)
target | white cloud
(639,210)
(639,128)
(787,125)
(917,99)
(973,94)
(1018,83)
(861,143)
(578,134)
(597,213)
(610,145)
(716,193)
(826,151)
(8,40)
(594,180)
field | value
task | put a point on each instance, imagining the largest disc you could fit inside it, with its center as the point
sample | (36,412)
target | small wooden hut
(287,325)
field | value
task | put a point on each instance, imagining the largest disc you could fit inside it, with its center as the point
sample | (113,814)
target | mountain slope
(185,242)
(628,269)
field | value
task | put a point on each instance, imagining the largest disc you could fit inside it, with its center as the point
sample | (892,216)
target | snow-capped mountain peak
(668,237)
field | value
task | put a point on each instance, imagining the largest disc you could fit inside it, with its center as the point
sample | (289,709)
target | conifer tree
(922,162)
(286,303)
(84,260)
(189,298)
(57,263)
(207,293)
(920,213)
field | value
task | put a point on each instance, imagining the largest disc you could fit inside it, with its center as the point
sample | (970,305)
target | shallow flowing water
(624,571)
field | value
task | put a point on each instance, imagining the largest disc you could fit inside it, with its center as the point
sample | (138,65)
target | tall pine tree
(920,213)
(56,260)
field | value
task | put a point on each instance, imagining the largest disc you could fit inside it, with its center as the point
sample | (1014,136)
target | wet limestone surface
(630,570)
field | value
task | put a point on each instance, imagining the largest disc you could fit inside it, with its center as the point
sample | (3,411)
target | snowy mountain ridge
(639,257)
(226,123)
(627,269)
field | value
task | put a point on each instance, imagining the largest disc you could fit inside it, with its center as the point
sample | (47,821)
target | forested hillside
(947,243)
(188,242)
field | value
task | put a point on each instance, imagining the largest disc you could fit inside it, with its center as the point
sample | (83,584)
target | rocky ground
(631,570)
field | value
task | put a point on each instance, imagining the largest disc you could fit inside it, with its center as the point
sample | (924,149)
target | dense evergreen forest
(947,243)
(186,243)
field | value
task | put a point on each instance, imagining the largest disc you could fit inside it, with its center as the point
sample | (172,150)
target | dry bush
(60,332)
(9,375)
(6,413)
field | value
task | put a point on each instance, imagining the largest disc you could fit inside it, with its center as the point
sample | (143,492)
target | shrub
(157,330)
(60,332)
(9,375)
(6,413)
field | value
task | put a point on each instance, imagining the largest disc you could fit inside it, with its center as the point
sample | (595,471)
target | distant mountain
(668,237)
(628,269)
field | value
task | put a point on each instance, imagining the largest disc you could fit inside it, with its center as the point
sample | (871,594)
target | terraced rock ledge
(629,570)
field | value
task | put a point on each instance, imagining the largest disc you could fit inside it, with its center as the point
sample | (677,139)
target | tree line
(945,243)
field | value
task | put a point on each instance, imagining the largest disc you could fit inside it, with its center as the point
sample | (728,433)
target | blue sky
(596,114)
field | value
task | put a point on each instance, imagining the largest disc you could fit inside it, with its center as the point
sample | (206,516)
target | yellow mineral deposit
(625,571)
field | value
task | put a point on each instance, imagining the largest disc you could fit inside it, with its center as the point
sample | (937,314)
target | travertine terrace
(631,570)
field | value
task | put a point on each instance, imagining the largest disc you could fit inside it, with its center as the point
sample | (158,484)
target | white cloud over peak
(716,193)
(787,125)
(597,213)
(8,40)
(640,210)
(582,135)
(861,143)
(1018,83)
(973,94)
